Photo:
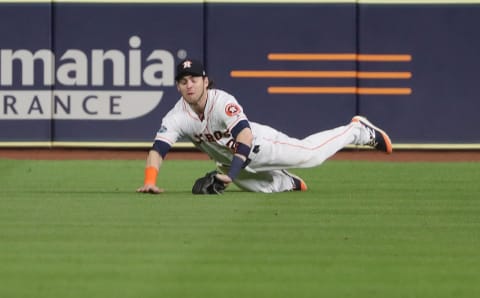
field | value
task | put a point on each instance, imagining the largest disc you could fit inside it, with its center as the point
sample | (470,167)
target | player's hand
(224,178)
(149,188)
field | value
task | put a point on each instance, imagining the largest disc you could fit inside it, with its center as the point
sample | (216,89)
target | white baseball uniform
(272,151)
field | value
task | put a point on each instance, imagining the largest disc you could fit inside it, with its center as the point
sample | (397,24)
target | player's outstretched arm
(245,139)
(153,164)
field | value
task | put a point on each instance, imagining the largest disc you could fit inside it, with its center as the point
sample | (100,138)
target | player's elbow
(245,136)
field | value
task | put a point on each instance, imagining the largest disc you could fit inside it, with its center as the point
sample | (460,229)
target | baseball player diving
(253,156)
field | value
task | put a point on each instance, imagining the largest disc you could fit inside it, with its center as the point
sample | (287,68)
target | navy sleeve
(161,147)
(239,127)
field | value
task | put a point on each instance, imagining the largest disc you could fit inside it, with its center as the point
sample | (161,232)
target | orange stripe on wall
(340,57)
(339,90)
(384,75)
(384,58)
(385,91)
(318,74)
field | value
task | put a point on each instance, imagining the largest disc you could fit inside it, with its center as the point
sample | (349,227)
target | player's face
(193,89)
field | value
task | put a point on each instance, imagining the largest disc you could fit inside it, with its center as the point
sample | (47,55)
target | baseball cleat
(299,184)
(378,138)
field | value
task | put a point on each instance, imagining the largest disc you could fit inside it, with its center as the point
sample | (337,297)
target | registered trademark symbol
(182,54)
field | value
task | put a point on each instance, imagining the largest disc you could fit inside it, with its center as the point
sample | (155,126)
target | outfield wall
(101,74)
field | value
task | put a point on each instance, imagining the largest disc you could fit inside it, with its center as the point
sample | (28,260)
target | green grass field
(364,229)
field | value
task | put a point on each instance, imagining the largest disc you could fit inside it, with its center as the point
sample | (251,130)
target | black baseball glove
(208,185)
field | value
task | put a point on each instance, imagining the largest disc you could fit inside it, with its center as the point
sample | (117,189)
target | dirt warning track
(129,154)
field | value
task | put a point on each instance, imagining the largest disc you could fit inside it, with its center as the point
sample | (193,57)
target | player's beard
(196,103)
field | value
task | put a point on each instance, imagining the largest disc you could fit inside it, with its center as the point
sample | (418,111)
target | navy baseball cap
(190,67)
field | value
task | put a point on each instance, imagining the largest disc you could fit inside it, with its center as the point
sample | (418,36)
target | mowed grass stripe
(77,228)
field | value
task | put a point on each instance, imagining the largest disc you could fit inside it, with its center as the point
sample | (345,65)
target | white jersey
(212,134)
(273,151)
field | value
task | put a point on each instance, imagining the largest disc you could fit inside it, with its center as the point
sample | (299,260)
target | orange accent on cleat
(380,140)
(303,185)
(298,183)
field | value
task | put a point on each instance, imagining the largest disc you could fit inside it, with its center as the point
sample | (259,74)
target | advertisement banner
(245,58)
(443,45)
(102,73)
(25,56)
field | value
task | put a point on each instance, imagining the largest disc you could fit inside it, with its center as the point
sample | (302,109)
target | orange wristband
(150,176)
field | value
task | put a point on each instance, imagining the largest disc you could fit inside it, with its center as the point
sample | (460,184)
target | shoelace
(373,140)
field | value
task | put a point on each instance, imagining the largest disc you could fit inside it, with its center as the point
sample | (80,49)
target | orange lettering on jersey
(232,109)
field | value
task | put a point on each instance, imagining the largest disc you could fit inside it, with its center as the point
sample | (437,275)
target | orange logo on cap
(232,109)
